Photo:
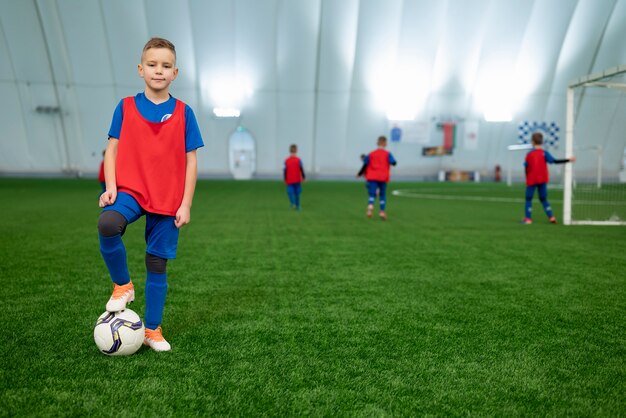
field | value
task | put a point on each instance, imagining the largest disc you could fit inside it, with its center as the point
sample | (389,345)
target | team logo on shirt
(166,117)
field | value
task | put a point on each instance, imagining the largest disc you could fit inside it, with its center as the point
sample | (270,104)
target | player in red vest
(293,174)
(101,175)
(150,170)
(376,167)
(537,177)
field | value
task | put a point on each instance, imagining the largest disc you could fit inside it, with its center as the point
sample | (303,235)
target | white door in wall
(242,154)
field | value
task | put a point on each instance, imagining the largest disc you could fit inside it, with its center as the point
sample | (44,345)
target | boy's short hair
(537,138)
(159,43)
(382,139)
(293,148)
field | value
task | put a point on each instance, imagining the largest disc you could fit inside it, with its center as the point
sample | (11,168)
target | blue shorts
(161,232)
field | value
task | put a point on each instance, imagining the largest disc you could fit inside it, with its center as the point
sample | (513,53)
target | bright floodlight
(226,112)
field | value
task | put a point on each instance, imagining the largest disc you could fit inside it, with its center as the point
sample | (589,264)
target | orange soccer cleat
(121,296)
(154,339)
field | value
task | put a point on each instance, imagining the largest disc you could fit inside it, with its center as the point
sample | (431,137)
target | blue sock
(547,208)
(528,209)
(156,290)
(114,255)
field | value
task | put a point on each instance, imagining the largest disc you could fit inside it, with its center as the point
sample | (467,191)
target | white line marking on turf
(432,196)
(409,193)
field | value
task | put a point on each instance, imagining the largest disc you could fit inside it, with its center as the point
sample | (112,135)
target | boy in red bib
(150,169)
(293,174)
(537,177)
(376,166)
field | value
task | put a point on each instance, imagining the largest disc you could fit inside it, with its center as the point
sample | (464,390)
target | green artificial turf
(451,307)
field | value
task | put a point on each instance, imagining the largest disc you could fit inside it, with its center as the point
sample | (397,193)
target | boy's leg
(297,189)
(543,198)
(382,196)
(156,290)
(162,241)
(372,188)
(290,193)
(528,207)
(382,187)
(111,226)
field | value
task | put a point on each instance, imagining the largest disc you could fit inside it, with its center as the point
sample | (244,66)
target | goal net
(595,185)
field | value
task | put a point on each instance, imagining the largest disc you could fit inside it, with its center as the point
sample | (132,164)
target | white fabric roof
(320,73)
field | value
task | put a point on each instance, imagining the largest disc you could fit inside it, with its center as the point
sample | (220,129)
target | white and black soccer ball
(119,333)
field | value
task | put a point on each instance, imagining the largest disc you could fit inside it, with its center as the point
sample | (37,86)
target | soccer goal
(594,190)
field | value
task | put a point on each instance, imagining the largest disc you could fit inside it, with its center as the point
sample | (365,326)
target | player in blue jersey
(293,174)
(150,169)
(537,177)
(376,167)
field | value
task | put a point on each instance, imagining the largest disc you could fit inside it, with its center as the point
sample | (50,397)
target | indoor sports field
(451,307)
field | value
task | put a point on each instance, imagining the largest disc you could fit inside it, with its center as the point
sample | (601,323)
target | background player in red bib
(537,177)
(376,166)
(293,174)
(150,169)
(101,175)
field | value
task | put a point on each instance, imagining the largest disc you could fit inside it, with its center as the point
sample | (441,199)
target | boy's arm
(183,214)
(550,159)
(110,195)
(392,160)
(366,160)
(302,171)
(564,160)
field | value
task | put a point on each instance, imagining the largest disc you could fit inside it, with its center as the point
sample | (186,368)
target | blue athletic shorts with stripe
(161,232)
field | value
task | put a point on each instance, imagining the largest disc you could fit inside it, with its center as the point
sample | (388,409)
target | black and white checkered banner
(550,131)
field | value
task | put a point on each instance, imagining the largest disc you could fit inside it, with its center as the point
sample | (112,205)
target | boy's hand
(572,159)
(107,198)
(183,216)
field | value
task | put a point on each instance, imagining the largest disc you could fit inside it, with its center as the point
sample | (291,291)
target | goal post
(589,199)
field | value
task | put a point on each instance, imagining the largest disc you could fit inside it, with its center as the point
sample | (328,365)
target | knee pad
(155,264)
(111,223)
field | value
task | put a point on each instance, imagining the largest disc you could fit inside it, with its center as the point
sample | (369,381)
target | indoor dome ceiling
(326,74)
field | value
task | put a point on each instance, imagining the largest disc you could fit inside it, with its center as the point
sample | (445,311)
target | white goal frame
(592,80)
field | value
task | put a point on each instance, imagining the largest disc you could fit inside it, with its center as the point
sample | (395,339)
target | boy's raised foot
(552,219)
(154,339)
(121,296)
(370,211)
(527,221)
(383,215)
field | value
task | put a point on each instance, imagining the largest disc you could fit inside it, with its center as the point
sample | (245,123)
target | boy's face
(158,69)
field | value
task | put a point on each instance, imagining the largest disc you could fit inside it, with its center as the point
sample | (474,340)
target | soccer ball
(119,333)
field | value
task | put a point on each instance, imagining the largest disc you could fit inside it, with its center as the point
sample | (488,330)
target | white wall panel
(578,50)
(44,139)
(25,41)
(87,46)
(466,25)
(14,152)
(127,32)
(377,42)
(337,44)
(6,68)
(296,56)
(171,21)
(534,71)
(255,43)
(95,117)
